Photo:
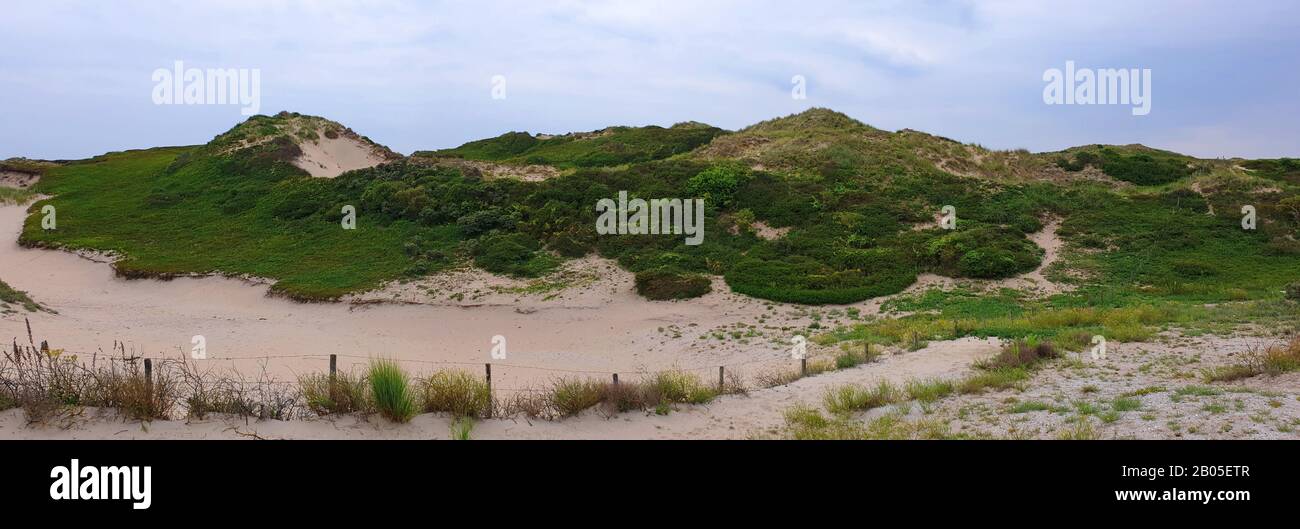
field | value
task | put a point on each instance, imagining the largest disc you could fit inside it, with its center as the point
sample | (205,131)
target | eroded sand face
(330,157)
(18,180)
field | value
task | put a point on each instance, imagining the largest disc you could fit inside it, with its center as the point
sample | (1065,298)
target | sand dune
(329,157)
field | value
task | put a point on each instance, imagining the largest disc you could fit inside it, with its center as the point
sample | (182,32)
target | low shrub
(1272,360)
(569,397)
(514,254)
(983,252)
(666,283)
(1020,354)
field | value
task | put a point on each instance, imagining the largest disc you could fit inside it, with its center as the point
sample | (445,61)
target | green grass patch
(9,295)
(390,391)
(852,397)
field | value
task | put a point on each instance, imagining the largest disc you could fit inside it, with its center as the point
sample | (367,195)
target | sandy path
(759,414)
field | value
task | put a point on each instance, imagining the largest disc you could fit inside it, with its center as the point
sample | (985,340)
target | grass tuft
(390,390)
(852,397)
(457,392)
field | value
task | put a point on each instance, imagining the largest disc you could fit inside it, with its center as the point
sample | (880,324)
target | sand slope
(329,157)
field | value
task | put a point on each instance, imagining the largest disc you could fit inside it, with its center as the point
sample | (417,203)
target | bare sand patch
(327,157)
(763,231)
(1051,243)
(18,179)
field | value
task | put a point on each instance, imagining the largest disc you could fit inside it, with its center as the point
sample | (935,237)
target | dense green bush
(512,254)
(1293,291)
(484,221)
(805,280)
(717,185)
(1148,167)
(991,263)
(982,252)
(668,283)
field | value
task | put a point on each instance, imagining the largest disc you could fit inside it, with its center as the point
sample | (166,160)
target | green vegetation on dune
(856,202)
(228,215)
(11,195)
(1134,164)
(11,296)
(608,147)
(1284,169)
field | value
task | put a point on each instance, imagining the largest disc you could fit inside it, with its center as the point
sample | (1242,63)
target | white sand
(328,158)
(18,179)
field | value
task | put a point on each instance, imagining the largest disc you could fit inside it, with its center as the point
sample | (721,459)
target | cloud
(415,75)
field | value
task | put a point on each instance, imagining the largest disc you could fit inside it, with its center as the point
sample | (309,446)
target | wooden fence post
(334,362)
(722,384)
(803,367)
(148,380)
(615,379)
(488,370)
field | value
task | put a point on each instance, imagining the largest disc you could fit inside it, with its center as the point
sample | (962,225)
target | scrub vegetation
(1158,235)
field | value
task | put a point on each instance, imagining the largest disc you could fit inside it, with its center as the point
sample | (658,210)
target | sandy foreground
(760,414)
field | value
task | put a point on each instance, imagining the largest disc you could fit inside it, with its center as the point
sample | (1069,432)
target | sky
(76,78)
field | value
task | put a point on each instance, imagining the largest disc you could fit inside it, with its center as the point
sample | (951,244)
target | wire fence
(163,360)
(155,386)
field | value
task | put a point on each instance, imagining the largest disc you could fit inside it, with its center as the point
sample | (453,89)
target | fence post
(803,367)
(334,362)
(488,370)
(148,381)
(615,379)
(721,379)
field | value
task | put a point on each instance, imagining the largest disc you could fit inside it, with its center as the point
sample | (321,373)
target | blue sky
(75,76)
